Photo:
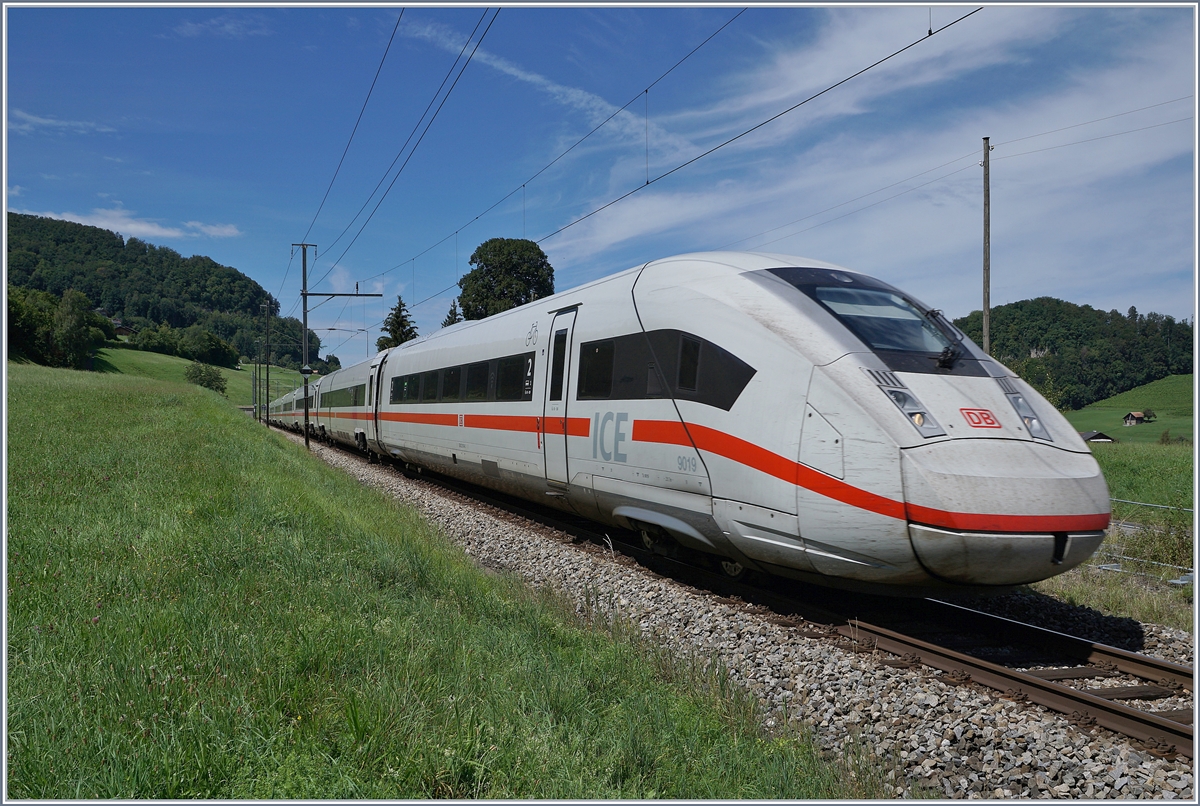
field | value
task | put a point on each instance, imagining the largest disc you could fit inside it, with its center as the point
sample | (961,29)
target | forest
(1075,355)
(175,305)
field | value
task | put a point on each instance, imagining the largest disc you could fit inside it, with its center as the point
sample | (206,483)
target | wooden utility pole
(987,249)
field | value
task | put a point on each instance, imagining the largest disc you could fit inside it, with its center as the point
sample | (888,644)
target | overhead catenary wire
(721,145)
(433,99)
(573,146)
(354,131)
(902,193)
(757,126)
(417,144)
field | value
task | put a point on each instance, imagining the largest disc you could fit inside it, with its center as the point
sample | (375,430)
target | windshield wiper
(952,352)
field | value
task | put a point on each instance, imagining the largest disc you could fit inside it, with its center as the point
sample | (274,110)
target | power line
(550,164)
(413,150)
(1094,139)
(723,144)
(1097,120)
(416,126)
(757,126)
(957,159)
(355,129)
(850,201)
(944,176)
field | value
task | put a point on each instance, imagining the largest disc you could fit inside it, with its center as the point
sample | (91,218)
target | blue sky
(216,131)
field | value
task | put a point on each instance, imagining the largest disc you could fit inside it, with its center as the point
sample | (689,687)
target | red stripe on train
(751,455)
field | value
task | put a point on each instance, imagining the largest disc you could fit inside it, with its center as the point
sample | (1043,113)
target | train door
(554,412)
(374,381)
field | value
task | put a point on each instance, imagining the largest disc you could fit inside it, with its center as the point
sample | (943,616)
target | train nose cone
(1002,512)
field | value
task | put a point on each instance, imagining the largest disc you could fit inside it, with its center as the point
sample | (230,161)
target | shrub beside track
(197,609)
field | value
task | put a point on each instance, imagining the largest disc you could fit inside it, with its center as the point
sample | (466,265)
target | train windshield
(906,335)
(882,319)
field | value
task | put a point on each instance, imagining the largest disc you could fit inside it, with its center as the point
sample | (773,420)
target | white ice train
(779,413)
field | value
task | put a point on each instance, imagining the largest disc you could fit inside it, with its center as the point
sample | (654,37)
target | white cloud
(227,26)
(25,123)
(626,124)
(118,219)
(214,230)
(14,190)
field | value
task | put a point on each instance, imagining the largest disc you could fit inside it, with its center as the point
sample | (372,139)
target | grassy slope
(197,608)
(1170,398)
(170,368)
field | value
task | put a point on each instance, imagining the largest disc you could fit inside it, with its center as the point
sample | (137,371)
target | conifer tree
(398,327)
(454,317)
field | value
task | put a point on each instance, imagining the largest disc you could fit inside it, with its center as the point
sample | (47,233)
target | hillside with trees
(191,307)
(1076,355)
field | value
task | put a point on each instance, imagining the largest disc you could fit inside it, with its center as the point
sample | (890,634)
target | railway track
(1092,684)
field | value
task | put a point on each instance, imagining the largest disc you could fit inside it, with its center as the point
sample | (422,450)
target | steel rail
(1163,672)
(1158,734)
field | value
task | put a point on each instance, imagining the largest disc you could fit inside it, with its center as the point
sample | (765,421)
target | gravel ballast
(935,738)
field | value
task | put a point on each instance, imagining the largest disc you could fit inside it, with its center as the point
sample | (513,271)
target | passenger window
(511,377)
(451,381)
(477,381)
(595,370)
(429,387)
(560,363)
(410,389)
(689,363)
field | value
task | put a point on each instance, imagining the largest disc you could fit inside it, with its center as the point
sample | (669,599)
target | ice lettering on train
(601,425)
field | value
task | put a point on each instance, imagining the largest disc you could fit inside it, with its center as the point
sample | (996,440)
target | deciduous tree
(508,272)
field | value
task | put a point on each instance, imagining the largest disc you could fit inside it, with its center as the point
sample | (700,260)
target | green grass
(198,608)
(170,368)
(1170,398)
(1121,594)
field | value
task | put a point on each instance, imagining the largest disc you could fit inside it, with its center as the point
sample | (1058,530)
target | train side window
(452,383)
(406,389)
(514,377)
(560,363)
(595,370)
(429,387)
(689,363)
(477,381)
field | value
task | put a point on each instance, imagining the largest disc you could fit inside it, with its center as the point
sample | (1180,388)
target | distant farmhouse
(1135,418)
(1095,436)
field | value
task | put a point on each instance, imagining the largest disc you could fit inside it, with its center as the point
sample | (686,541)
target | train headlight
(907,402)
(1025,412)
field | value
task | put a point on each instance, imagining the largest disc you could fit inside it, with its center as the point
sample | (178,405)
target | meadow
(1169,398)
(197,608)
(128,361)
(1139,467)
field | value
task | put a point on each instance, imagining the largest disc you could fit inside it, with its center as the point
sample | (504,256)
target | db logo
(980,418)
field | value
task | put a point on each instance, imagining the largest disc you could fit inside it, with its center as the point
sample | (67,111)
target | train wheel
(733,569)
